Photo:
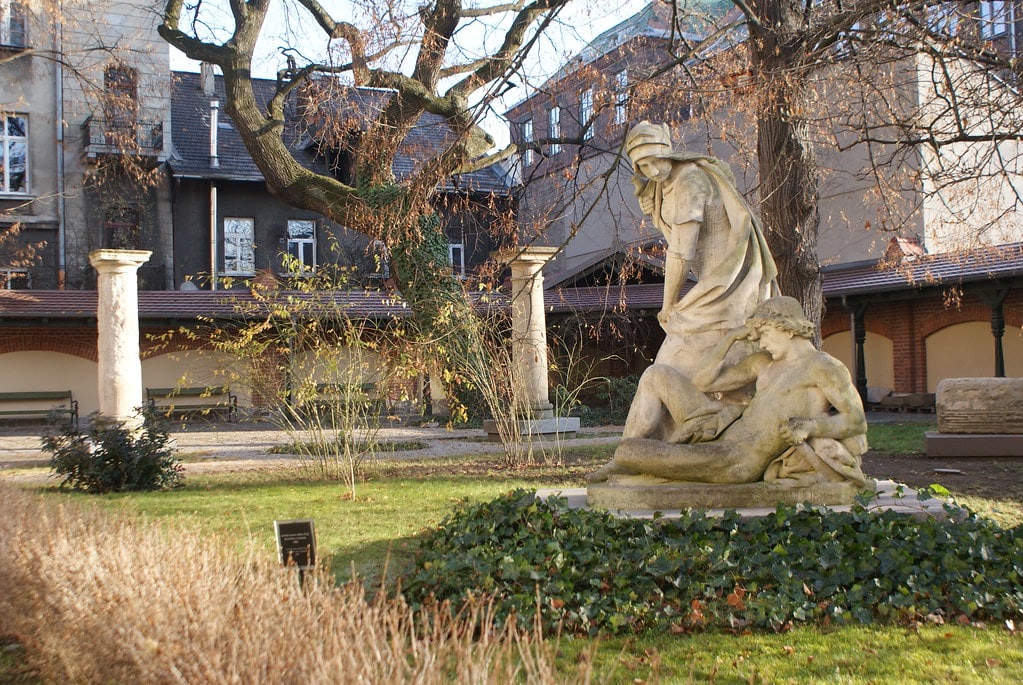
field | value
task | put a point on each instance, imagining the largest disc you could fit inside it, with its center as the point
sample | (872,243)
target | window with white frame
(381,259)
(456,253)
(13,24)
(302,245)
(621,97)
(239,246)
(14,279)
(526,135)
(586,113)
(554,128)
(14,154)
(995,18)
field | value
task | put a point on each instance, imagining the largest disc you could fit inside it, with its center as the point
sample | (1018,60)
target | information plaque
(296,543)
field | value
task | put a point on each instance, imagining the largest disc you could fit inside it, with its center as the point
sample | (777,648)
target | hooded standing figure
(710,231)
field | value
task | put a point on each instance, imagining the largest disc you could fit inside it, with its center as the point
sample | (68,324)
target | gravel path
(207,447)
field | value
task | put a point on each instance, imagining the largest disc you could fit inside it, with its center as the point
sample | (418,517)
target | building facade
(577,192)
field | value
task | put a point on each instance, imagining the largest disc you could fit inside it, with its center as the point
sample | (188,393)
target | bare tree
(921,90)
(428,60)
(911,108)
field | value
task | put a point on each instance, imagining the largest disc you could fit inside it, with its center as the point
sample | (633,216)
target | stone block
(620,494)
(980,406)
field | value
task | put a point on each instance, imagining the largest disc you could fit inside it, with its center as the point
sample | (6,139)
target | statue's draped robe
(726,250)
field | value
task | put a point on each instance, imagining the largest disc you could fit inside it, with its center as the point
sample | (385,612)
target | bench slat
(65,396)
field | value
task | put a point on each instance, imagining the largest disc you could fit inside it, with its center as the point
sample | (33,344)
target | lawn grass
(363,534)
(899,438)
(399,499)
(855,654)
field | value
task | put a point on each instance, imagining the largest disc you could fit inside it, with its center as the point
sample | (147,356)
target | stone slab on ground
(973,444)
(558,425)
(980,405)
(626,493)
(890,496)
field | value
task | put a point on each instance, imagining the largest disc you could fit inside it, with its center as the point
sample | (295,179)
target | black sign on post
(296,543)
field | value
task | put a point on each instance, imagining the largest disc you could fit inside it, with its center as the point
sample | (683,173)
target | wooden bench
(41,404)
(204,399)
(907,402)
(332,395)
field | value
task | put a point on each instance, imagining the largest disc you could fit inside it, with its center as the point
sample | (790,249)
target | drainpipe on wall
(214,124)
(214,163)
(59,111)
(213,235)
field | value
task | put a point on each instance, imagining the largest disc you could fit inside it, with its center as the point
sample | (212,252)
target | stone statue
(711,231)
(803,425)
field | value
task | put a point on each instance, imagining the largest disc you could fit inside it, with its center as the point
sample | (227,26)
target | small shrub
(617,392)
(114,458)
(594,573)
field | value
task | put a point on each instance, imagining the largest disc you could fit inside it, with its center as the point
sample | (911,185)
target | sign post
(296,544)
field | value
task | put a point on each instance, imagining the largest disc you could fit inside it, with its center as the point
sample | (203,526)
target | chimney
(207,81)
(214,126)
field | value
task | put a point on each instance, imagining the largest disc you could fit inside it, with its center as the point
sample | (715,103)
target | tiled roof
(68,305)
(1003,261)
(864,278)
(171,304)
(191,137)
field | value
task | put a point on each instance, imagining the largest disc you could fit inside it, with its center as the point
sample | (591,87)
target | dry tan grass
(99,599)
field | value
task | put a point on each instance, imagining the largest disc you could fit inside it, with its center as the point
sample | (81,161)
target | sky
(579,23)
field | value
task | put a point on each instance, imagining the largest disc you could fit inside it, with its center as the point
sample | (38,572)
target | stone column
(117,318)
(529,327)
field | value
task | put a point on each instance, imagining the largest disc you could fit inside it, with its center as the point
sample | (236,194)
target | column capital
(532,255)
(114,260)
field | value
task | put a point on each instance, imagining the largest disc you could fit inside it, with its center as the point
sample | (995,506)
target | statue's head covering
(648,140)
(654,140)
(785,314)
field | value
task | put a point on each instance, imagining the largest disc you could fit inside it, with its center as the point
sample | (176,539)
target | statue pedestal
(555,425)
(644,492)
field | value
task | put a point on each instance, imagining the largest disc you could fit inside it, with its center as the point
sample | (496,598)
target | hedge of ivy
(590,572)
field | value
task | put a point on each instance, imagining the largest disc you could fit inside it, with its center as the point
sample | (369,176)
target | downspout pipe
(213,235)
(214,164)
(214,126)
(58,33)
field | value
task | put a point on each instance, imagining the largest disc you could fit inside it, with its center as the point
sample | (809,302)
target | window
(526,135)
(13,24)
(621,97)
(120,100)
(943,18)
(381,259)
(302,245)
(14,154)
(239,243)
(14,279)
(554,128)
(122,224)
(456,253)
(586,113)
(995,18)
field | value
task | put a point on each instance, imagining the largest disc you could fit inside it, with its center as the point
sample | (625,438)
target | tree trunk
(788,170)
(444,318)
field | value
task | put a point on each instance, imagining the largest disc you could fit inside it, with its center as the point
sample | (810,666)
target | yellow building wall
(43,371)
(877,351)
(193,369)
(967,350)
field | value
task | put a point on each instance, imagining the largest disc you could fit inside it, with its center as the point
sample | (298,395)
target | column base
(558,425)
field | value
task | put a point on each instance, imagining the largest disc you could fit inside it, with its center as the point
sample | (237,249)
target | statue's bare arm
(848,420)
(718,377)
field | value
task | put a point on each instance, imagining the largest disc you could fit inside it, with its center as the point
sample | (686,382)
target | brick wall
(908,323)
